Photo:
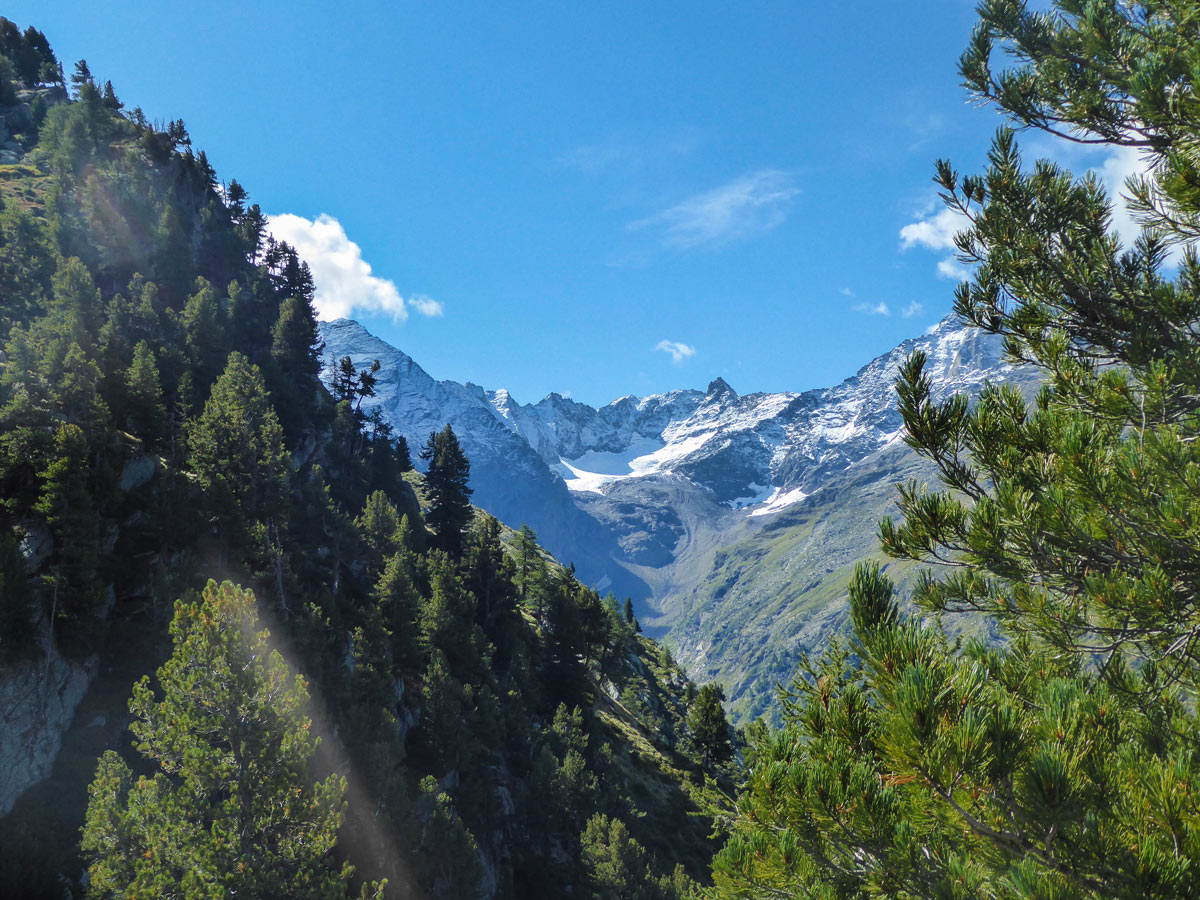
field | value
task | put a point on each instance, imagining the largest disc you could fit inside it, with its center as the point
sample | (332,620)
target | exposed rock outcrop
(38,699)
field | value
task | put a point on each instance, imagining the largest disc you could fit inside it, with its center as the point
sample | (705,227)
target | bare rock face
(38,698)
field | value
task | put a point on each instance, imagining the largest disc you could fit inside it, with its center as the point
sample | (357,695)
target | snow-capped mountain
(646,494)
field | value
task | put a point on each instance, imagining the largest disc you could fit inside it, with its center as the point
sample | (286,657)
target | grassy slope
(779,588)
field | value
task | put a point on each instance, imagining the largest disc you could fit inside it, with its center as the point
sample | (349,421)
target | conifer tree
(396,599)
(82,76)
(531,570)
(1062,762)
(233,810)
(109,98)
(144,400)
(296,356)
(237,444)
(67,505)
(205,334)
(75,304)
(446,485)
(708,726)
(379,524)
(489,573)
(617,866)
(403,455)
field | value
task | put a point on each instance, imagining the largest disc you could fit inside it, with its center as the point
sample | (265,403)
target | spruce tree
(68,507)
(296,361)
(446,484)
(147,416)
(708,726)
(1060,762)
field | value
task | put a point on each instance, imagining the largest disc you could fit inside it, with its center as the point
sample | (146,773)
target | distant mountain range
(733,521)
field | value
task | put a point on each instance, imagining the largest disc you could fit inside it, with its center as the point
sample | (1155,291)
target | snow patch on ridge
(758,493)
(779,500)
(596,469)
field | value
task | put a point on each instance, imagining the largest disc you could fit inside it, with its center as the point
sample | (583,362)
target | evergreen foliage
(446,486)
(232,811)
(237,445)
(1059,762)
(708,726)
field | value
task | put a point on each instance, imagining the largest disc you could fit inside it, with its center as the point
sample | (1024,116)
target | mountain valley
(732,521)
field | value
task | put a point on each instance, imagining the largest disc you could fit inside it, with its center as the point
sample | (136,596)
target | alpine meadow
(284,615)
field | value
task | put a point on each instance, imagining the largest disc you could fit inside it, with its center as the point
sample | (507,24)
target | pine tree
(617,866)
(403,455)
(109,98)
(595,626)
(75,305)
(67,505)
(237,445)
(1060,763)
(489,574)
(708,726)
(144,400)
(233,810)
(448,856)
(82,76)
(446,486)
(531,571)
(397,602)
(205,334)
(379,524)
(296,358)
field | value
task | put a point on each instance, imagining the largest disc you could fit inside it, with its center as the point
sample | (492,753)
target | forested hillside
(361,668)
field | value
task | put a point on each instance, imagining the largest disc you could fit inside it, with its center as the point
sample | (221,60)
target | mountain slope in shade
(508,477)
(733,520)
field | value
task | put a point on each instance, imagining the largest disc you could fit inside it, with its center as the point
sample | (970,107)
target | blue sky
(595,199)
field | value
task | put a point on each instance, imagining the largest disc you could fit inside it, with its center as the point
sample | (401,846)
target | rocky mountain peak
(718,389)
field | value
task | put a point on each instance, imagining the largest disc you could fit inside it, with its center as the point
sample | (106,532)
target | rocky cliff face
(729,517)
(38,699)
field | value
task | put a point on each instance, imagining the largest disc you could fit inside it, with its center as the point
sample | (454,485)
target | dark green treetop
(708,726)
(446,483)
(237,443)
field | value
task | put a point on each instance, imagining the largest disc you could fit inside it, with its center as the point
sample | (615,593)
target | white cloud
(678,350)
(846,292)
(1120,165)
(426,306)
(951,268)
(343,279)
(913,309)
(874,309)
(935,232)
(749,205)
